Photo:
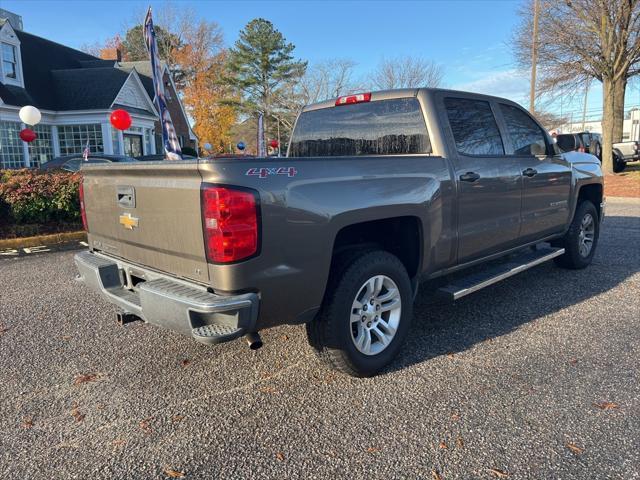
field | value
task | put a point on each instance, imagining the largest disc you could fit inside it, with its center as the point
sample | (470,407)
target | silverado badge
(128,221)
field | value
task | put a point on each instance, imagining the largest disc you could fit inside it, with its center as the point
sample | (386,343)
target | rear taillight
(230,222)
(358,98)
(83,213)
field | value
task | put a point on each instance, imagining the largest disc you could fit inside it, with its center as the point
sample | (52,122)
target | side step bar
(472,283)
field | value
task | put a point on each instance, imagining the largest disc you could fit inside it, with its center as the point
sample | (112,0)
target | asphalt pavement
(535,377)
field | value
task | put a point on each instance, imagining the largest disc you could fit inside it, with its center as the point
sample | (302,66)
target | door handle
(530,172)
(469,177)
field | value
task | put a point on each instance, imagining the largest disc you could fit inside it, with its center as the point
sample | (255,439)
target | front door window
(132,145)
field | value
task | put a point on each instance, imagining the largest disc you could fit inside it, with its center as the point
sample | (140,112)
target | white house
(76,92)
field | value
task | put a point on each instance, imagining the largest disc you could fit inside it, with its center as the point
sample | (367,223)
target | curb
(623,199)
(43,240)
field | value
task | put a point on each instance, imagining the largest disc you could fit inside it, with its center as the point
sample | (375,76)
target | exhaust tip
(122,318)
(253,340)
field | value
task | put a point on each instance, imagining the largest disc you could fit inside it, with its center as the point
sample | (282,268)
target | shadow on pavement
(441,328)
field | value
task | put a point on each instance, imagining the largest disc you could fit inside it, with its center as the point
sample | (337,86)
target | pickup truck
(378,192)
(627,151)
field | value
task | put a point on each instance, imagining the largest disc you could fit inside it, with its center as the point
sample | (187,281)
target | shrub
(31,196)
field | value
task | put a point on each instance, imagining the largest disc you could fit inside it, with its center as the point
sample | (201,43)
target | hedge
(34,197)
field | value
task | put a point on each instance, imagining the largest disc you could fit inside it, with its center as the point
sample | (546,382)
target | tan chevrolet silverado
(379,191)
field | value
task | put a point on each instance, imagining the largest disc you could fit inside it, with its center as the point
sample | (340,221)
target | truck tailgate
(149,214)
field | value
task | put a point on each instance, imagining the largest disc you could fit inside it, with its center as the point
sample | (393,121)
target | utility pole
(534,57)
(584,108)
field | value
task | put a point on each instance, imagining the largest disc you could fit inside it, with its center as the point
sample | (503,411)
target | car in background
(629,151)
(160,157)
(592,143)
(73,163)
(573,142)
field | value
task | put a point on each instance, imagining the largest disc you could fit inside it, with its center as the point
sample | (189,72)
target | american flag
(86,151)
(169,138)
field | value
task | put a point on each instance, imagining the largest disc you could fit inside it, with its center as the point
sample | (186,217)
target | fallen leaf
(3,329)
(177,418)
(450,354)
(75,413)
(185,362)
(443,445)
(268,389)
(170,472)
(497,473)
(66,337)
(146,424)
(285,337)
(455,416)
(27,423)
(459,442)
(100,406)
(372,450)
(280,456)
(574,448)
(606,405)
(85,378)
(118,442)
(436,475)
(573,361)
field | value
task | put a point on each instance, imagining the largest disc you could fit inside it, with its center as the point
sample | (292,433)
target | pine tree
(261,66)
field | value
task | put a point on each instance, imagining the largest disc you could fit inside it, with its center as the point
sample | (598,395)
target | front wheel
(581,239)
(365,315)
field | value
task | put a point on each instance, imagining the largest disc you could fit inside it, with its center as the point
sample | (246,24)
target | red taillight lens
(83,213)
(230,222)
(358,98)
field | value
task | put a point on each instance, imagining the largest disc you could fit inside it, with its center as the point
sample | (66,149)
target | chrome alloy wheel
(375,315)
(586,235)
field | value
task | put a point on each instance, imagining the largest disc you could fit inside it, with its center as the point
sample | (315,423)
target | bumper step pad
(216,333)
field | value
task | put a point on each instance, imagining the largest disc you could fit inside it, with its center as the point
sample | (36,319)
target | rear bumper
(170,303)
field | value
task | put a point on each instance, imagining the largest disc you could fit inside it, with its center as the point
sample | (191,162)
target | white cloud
(512,84)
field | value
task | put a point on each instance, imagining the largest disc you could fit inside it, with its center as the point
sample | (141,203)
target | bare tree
(406,72)
(327,79)
(583,39)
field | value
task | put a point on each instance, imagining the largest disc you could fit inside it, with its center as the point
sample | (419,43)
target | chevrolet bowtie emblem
(128,221)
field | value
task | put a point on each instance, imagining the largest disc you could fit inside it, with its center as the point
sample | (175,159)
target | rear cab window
(382,127)
(474,127)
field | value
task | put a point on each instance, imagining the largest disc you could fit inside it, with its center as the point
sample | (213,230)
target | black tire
(330,333)
(618,164)
(573,258)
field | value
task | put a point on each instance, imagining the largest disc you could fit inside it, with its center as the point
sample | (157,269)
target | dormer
(10,56)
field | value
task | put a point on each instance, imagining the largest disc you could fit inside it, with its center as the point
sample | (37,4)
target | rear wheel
(618,164)
(366,313)
(581,239)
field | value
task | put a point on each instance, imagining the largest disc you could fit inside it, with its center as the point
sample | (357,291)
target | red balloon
(273,144)
(28,135)
(120,119)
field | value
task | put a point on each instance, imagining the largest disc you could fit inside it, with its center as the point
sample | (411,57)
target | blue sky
(470,39)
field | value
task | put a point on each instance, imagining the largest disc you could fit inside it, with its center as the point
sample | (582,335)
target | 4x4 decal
(264,172)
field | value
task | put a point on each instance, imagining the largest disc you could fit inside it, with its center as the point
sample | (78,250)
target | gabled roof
(87,88)
(42,56)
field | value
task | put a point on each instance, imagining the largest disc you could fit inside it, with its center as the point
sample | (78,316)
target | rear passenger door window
(526,136)
(474,127)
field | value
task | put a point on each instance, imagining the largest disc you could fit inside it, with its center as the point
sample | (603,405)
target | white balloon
(30,115)
(207,146)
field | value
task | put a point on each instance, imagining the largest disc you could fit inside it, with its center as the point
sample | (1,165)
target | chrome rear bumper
(173,304)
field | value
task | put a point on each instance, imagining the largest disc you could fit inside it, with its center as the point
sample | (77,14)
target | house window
(147,141)
(41,149)
(115,141)
(9,61)
(73,138)
(11,152)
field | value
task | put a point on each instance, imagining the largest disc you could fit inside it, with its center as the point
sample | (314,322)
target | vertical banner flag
(169,137)
(262,148)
